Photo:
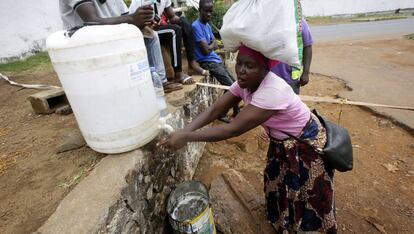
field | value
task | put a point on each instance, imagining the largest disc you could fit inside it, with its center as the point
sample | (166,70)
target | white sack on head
(268,26)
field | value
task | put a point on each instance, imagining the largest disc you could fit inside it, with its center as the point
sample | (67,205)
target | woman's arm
(221,106)
(249,118)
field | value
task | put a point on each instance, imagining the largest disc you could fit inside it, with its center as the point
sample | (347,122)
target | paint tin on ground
(189,209)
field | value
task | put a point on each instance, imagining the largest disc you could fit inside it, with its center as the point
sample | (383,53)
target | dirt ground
(376,197)
(379,71)
(34,178)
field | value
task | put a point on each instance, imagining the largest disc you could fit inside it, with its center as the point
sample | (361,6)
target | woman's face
(249,72)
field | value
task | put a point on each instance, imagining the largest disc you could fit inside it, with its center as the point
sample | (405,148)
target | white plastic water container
(106,77)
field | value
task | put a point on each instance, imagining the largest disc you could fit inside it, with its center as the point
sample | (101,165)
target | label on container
(139,72)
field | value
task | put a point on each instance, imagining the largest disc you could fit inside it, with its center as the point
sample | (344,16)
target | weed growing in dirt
(83,171)
(410,36)
(40,59)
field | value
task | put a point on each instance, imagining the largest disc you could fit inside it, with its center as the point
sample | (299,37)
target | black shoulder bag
(337,153)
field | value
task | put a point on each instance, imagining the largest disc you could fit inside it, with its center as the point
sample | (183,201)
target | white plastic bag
(268,26)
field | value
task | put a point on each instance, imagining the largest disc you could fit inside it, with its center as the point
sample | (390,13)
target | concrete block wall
(127,193)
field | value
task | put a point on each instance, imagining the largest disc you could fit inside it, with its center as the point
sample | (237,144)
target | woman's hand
(175,141)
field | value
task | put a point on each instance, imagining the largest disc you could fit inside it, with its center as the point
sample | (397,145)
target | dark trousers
(170,35)
(188,38)
(220,73)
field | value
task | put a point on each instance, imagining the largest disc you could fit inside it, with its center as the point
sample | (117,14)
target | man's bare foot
(183,78)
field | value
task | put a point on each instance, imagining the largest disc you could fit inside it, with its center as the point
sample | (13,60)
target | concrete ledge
(127,193)
(85,208)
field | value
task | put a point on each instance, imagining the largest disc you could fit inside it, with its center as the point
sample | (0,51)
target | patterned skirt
(299,189)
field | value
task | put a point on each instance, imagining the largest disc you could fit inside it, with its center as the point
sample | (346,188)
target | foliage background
(220,8)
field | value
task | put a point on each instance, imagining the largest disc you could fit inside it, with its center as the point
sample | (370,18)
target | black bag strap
(317,150)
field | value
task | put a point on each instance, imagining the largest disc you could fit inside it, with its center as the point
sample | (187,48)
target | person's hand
(175,141)
(155,25)
(205,73)
(143,16)
(304,79)
(214,44)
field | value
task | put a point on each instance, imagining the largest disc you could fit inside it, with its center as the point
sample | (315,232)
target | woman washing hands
(298,188)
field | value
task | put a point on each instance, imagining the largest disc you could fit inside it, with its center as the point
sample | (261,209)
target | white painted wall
(338,7)
(24,25)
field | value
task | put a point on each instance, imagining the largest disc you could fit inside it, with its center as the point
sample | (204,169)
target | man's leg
(155,56)
(171,35)
(189,44)
(155,60)
(188,38)
(218,71)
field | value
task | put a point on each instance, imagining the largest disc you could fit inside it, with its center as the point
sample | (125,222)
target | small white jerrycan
(106,77)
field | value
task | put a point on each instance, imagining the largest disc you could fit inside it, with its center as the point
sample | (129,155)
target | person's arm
(140,18)
(222,105)
(307,52)
(249,118)
(171,16)
(307,59)
(207,48)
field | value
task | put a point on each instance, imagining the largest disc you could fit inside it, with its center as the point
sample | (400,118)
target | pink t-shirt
(275,94)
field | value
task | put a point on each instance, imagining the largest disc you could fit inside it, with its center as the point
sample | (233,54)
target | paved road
(366,30)
(378,71)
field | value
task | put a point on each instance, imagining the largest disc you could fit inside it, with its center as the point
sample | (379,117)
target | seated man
(76,12)
(292,77)
(205,46)
(187,34)
(172,34)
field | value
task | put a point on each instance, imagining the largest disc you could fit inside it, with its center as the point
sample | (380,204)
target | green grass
(410,36)
(377,18)
(320,19)
(362,17)
(40,59)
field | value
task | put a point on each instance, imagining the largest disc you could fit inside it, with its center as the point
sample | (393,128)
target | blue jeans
(155,56)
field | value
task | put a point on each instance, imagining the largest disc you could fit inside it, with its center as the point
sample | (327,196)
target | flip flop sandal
(224,119)
(171,86)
